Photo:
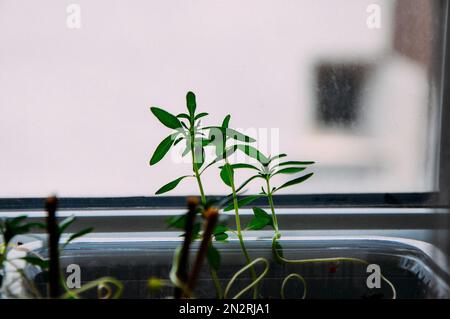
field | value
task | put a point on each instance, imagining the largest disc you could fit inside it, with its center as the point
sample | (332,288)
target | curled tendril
(253,283)
(173,273)
(104,291)
(101,284)
(328,260)
(287,278)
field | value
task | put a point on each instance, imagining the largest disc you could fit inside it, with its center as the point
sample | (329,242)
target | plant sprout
(267,169)
(188,128)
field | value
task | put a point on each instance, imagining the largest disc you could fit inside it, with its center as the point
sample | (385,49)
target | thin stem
(239,231)
(203,197)
(330,260)
(254,283)
(272,208)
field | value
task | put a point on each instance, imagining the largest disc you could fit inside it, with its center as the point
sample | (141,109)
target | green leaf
(243,165)
(226,121)
(184,116)
(295,181)
(242,202)
(296,163)
(247,181)
(222,156)
(273,158)
(221,237)
(191,103)
(289,170)
(178,140)
(171,185)
(213,257)
(238,136)
(227,174)
(36,261)
(196,231)
(262,214)
(163,148)
(254,153)
(260,220)
(79,234)
(198,116)
(219,229)
(166,118)
(177,221)
(65,223)
(16,220)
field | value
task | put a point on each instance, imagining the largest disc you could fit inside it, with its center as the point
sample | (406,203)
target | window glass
(353,85)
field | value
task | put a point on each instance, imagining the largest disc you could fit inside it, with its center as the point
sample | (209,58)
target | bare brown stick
(51,205)
(182,272)
(211,216)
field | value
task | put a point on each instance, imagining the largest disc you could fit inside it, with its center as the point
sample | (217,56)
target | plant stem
(239,232)
(203,197)
(272,208)
(195,168)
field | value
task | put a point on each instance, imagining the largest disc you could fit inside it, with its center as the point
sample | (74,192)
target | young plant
(10,228)
(227,176)
(186,127)
(268,168)
(51,266)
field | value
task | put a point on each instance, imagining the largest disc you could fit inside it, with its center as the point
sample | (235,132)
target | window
(311,77)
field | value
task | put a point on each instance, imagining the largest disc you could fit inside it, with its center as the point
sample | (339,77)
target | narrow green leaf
(296,163)
(36,261)
(247,181)
(16,220)
(166,118)
(242,202)
(222,156)
(184,116)
(289,170)
(254,153)
(213,257)
(163,148)
(238,136)
(79,234)
(177,221)
(295,181)
(200,115)
(243,165)
(196,231)
(262,214)
(273,158)
(191,103)
(227,174)
(256,224)
(221,237)
(178,140)
(65,223)
(220,229)
(171,185)
(226,121)
(260,220)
